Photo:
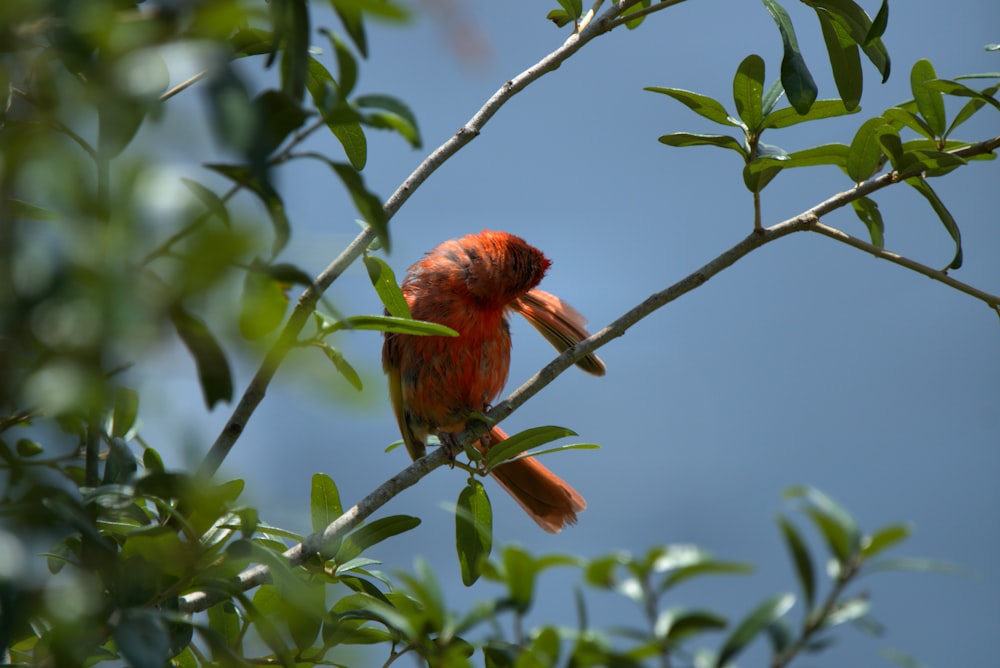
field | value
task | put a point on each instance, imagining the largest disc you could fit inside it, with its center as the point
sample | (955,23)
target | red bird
(437,382)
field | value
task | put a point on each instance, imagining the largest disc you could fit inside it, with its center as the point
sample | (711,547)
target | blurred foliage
(97,277)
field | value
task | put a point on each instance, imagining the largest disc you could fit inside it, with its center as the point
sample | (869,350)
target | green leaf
(213,368)
(802,560)
(246,177)
(347,65)
(394,115)
(748,91)
(771,97)
(783,118)
(827,154)
(759,173)
(372,534)
(19,209)
(675,626)
(700,104)
(28,448)
(795,76)
(473,530)
(525,440)
(386,323)
(341,365)
(758,620)
(888,139)
(850,610)
(342,121)
(367,204)
(865,151)
(922,187)
(632,24)
(212,202)
(845,60)
(143,638)
(929,101)
(833,522)
(867,211)
(292,21)
(689,139)
(349,14)
(858,24)
(899,117)
(708,566)
(573,8)
(324,502)
(384,281)
(559,17)
(884,538)
(125,411)
(879,24)
(979,99)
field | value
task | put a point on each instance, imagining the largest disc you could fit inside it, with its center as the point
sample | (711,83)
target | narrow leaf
(929,101)
(802,560)
(211,201)
(341,365)
(884,538)
(324,501)
(525,440)
(246,177)
(385,323)
(473,530)
(947,219)
(689,139)
(700,104)
(845,61)
(384,281)
(879,24)
(834,523)
(795,76)
(374,533)
(783,118)
(125,411)
(394,115)
(340,119)
(759,619)
(867,210)
(213,368)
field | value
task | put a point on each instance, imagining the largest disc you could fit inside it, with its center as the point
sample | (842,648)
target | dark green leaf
(675,626)
(125,411)
(525,440)
(473,530)
(834,523)
(844,60)
(795,76)
(700,104)
(888,139)
(802,560)
(339,117)
(324,502)
(929,101)
(867,210)
(211,201)
(922,187)
(879,24)
(757,176)
(295,51)
(143,638)
(689,139)
(246,177)
(367,204)
(384,281)
(759,619)
(28,448)
(288,273)
(783,118)
(213,368)
(374,533)
(349,14)
(865,151)
(858,24)
(394,115)
(748,91)
(347,66)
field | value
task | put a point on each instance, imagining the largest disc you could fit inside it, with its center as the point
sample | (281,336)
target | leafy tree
(152,564)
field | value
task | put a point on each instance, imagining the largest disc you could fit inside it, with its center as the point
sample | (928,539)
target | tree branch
(805,221)
(254,393)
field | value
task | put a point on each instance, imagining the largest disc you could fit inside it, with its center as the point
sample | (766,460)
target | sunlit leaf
(213,368)
(802,560)
(929,101)
(373,533)
(324,501)
(783,118)
(845,61)
(689,139)
(867,211)
(384,281)
(342,365)
(748,91)
(922,187)
(700,104)
(525,440)
(391,114)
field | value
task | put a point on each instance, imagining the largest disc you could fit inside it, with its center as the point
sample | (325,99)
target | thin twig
(645,11)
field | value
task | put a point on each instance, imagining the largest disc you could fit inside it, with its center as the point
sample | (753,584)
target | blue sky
(805,363)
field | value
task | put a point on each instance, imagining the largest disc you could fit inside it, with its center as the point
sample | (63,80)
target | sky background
(806,363)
